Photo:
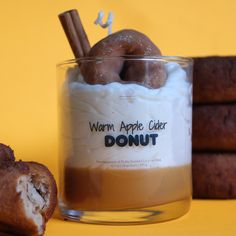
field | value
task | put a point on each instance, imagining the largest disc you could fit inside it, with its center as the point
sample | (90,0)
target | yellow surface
(32,42)
(206,218)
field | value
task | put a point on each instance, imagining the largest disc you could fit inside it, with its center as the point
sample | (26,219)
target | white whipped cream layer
(81,105)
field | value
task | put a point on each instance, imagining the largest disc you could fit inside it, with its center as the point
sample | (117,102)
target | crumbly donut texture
(27,195)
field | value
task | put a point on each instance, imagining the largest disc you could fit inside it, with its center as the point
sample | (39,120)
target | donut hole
(124,69)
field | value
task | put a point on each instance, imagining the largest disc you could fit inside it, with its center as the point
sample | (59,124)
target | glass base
(152,214)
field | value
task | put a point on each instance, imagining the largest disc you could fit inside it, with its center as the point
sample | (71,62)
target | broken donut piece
(113,68)
(28,195)
(6,154)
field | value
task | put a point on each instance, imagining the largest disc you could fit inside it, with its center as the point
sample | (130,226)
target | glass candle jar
(125,139)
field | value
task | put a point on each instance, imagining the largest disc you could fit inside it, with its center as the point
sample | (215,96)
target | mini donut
(124,43)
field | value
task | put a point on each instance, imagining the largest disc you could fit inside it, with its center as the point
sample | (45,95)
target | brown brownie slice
(214,79)
(214,175)
(214,127)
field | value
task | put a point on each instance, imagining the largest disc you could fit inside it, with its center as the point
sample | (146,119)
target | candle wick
(107,24)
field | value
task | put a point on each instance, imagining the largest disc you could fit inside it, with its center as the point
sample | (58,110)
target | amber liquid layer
(99,189)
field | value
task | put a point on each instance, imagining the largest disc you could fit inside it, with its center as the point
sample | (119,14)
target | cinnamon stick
(69,29)
(75,32)
(80,31)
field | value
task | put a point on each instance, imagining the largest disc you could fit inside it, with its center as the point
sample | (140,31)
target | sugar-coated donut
(124,43)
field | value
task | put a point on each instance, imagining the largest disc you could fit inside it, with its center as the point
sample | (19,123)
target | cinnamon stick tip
(67,12)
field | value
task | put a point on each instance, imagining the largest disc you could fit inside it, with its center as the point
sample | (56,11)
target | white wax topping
(115,103)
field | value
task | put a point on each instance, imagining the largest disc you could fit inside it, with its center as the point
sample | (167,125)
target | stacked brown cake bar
(214,127)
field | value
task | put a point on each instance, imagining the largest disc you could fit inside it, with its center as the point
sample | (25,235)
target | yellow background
(32,42)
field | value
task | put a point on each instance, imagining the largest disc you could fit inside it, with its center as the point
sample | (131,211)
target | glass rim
(179,59)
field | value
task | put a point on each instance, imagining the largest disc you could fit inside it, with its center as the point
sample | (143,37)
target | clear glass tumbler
(125,139)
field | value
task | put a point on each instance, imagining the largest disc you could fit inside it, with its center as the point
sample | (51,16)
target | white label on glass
(156,135)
